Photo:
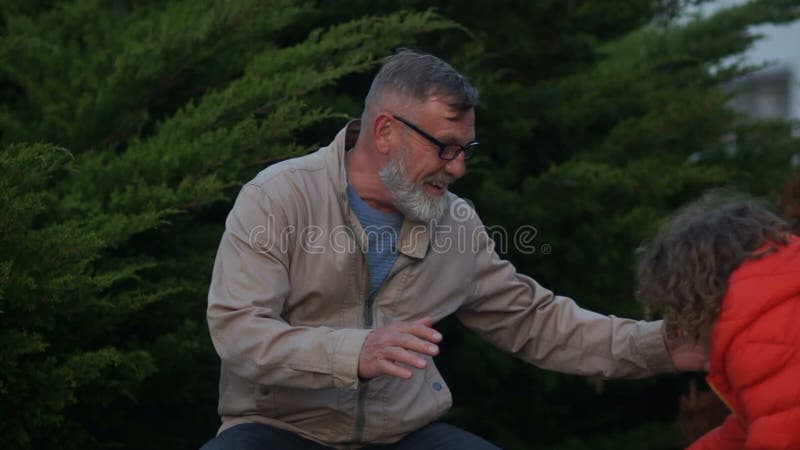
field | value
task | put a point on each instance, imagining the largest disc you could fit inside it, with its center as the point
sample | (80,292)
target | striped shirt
(382,231)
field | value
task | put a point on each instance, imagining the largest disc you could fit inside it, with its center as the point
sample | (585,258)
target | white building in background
(774,91)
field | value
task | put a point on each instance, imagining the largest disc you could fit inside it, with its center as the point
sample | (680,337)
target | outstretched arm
(516,314)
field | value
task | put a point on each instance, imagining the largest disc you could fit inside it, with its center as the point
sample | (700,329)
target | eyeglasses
(447,152)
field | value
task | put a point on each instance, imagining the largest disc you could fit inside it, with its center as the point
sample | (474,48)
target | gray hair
(421,76)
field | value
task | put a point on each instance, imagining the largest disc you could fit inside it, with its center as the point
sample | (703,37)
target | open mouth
(435,187)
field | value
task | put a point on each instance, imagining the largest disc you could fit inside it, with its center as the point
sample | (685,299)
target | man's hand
(688,354)
(388,348)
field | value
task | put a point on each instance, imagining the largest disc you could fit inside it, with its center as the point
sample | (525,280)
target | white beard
(409,197)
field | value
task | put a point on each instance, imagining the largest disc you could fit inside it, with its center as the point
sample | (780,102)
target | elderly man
(335,266)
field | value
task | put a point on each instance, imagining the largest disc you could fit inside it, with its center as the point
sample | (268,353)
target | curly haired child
(727,273)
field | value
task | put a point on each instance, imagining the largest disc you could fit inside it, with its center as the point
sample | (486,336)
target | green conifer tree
(597,119)
(165,109)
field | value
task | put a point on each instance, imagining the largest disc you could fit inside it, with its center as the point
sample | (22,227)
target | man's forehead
(445,108)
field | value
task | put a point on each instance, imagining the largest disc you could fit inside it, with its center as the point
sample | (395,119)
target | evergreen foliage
(126,129)
(167,107)
(50,299)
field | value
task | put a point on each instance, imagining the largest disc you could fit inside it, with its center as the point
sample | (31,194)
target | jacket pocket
(439,390)
(396,407)
(317,411)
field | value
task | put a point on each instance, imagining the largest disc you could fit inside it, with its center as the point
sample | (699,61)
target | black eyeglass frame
(468,150)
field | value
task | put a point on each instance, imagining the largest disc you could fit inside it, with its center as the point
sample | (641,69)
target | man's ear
(384,132)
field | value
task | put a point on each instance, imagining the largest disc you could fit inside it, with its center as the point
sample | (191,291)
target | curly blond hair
(683,271)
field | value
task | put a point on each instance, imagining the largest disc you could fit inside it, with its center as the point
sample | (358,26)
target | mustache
(441,179)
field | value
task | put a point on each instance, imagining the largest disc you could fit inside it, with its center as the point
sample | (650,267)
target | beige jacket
(288,309)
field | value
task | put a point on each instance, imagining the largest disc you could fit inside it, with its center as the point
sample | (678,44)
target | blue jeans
(254,436)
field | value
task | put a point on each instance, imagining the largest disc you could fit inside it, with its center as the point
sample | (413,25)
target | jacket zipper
(358,435)
(722,397)
(369,320)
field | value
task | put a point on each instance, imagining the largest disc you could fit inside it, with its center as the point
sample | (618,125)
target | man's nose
(456,167)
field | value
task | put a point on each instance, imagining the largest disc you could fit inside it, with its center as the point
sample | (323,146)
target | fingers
(422,329)
(428,322)
(397,362)
(417,336)
(392,369)
(413,343)
(400,355)
(393,349)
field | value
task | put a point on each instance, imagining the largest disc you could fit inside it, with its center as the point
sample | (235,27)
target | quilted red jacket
(755,355)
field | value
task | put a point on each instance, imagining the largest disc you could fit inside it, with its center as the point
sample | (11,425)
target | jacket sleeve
(728,436)
(249,287)
(516,314)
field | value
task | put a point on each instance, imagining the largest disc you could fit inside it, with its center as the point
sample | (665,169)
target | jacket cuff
(345,357)
(653,347)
